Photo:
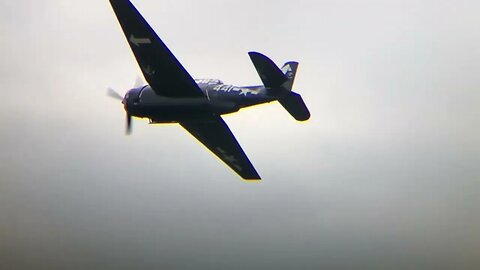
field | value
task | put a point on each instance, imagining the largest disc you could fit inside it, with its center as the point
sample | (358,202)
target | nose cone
(125,101)
(131,98)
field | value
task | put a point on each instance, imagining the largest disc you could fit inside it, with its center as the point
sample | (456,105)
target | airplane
(173,96)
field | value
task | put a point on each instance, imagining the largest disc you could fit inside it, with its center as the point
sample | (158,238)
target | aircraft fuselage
(219,98)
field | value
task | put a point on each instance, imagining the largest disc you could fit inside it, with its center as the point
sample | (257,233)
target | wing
(159,66)
(216,136)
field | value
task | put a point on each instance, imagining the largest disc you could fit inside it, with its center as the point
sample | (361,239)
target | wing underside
(217,137)
(159,66)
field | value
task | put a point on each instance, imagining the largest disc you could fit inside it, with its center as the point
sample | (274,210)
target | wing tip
(253,180)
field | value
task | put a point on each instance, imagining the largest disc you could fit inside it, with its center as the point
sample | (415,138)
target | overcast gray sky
(385,175)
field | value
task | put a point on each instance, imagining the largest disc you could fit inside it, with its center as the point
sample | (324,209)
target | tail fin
(279,84)
(289,69)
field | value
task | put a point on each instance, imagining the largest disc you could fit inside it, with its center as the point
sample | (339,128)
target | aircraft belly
(171,110)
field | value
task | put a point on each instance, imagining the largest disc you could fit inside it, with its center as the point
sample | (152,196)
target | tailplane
(279,83)
(294,104)
(272,77)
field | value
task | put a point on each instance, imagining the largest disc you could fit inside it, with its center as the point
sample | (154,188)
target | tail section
(272,77)
(289,70)
(294,104)
(279,83)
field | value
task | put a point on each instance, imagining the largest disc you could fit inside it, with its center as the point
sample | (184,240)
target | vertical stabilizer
(279,83)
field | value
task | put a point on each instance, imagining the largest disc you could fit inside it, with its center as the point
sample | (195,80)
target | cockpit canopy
(208,81)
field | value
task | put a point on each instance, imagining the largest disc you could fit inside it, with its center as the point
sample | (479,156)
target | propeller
(128,129)
(138,82)
(114,94)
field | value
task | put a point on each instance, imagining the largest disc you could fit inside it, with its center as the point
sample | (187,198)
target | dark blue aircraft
(173,96)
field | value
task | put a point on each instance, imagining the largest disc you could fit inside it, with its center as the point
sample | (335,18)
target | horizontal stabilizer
(272,77)
(294,104)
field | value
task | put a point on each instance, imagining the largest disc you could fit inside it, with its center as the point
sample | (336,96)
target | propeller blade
(129,124)
(112,93)
(139,82)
